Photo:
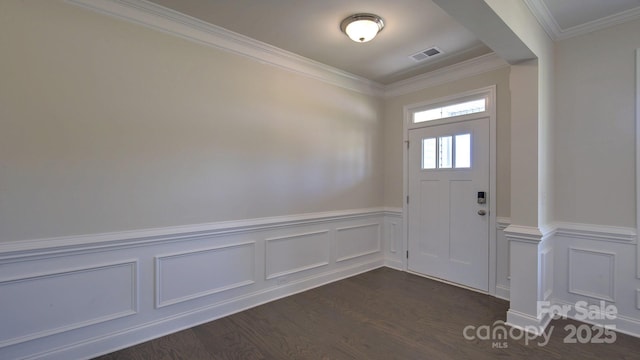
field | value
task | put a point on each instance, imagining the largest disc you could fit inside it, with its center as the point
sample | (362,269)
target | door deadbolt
(482,197)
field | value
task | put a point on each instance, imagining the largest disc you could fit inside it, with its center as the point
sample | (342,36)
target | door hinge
(407,199)
(407,142)
(407,254)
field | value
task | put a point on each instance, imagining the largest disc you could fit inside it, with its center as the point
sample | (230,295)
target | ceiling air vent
(426,54)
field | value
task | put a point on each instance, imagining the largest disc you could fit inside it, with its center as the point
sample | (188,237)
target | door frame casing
(489,93)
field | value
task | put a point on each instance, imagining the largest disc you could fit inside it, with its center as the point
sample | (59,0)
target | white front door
(448,225)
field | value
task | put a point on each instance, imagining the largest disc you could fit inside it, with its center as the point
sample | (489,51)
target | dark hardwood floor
(382,314)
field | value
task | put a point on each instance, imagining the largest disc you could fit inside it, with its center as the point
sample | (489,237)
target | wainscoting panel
(598,265)
(394,252)
(502,259)
(356,241)
(83,296)
(546,264)
(592,274)
(394,229)
(186,276)
(290,254)
(40,305)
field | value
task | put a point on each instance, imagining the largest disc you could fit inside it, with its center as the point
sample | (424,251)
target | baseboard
(502,292)
(527,323)
(623,324)
(394,264)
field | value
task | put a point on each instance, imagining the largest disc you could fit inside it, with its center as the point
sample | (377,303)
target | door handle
(482,212)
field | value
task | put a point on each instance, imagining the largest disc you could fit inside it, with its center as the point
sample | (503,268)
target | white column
(525,235)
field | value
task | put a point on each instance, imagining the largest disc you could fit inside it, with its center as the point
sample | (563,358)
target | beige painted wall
(393,126)
(110,126)
(595,127)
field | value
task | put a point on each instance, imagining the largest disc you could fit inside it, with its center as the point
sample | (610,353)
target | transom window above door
(447,152)
(451,110)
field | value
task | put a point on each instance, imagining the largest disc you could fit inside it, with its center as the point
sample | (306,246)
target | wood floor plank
(383,314)
(181,345)
(224,341)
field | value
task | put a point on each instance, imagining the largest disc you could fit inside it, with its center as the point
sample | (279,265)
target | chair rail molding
(104,241)
(624,235)
(528,234)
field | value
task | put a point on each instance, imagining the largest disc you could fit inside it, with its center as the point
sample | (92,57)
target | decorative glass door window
(447,152)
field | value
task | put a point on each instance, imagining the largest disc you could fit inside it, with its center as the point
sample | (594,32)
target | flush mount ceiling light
(362,27)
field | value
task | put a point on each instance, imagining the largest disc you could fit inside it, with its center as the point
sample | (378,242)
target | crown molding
(553,29)
(160,18)
(169,21)
(475,66)
(542,13)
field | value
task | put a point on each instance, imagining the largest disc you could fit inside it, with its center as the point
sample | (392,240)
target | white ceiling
(570,13)
(563,19)
(311,28)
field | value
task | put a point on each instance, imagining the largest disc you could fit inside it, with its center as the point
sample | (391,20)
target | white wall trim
(502,222)
(638,158)
(178,279)
(132,310)
(529,234)
(611,281)
(596,232)
(546,278)
(273,275)
(394,246)
(393,211)
(394,264)
(623,324)
(465,69)
(160,18)
(527,323)
(553,29)
(130,336)
(502,292)
(94,242)
(624,235)
(160,301)
(598,268)
(541,12)
(375,250)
